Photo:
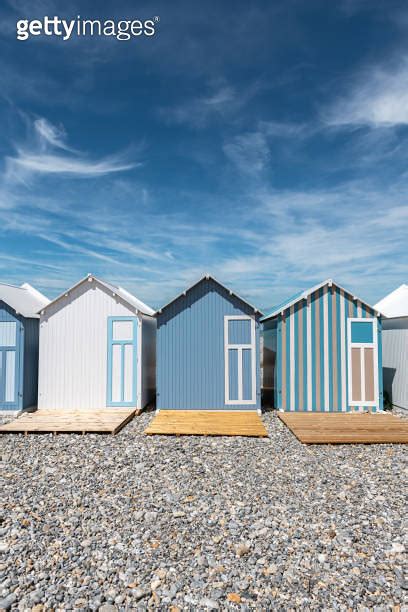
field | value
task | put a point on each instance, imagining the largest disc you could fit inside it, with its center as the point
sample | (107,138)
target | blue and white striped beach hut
(19,329)
(323,352)
(208,351)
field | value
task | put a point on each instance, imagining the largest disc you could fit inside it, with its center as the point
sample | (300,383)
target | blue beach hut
(322,352)
(208,350)
(19,329)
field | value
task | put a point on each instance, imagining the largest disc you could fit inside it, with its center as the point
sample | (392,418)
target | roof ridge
(200,280)
(305,293)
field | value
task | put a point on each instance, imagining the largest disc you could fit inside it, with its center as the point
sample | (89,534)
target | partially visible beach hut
(208,350)
(97,349)
(19,327)
(394,307)
(323,352)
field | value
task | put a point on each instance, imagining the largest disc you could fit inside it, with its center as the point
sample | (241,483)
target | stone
(210,604)
(8,601)
(234,598)
(242,549)
(261,519)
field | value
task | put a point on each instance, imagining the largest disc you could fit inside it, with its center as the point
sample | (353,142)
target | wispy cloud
(220,102)
(378,97)
(49,134)
(46,152)
(248,152)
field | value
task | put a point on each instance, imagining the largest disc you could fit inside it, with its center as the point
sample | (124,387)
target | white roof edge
(308,292)
(25,300)
(207,277)
(119,291)
(395,304)
(40,296)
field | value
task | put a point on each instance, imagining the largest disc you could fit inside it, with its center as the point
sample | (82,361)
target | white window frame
(374,346)
(239,347)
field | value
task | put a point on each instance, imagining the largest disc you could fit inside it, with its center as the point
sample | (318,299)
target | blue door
(10,393)
(122,361)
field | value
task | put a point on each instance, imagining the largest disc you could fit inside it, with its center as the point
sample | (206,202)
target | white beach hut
(97,349)
(395,345)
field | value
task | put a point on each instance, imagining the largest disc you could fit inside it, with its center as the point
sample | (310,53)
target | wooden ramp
(70,421)
(207,423)
(346,428)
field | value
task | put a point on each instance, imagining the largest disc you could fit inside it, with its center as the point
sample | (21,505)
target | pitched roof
(25,300)
(200,280)
(395,304)
(130,299)
(302,295)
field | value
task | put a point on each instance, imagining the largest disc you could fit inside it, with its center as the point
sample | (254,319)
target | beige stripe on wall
(369,373)
(334,381)
(301,405)
(309,355)
(326,296)
(292,368)
(356,374)
(283,362)
(317,329)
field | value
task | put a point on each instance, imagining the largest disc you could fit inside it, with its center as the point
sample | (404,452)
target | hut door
(9,364)
(122,361)
(240,360)
(362,362)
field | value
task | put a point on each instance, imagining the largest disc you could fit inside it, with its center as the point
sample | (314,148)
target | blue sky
(265,143)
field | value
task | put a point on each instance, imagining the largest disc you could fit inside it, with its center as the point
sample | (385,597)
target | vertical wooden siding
(190,350)
(74,348)
(312,334)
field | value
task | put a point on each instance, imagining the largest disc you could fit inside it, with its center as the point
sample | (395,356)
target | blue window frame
(11,339)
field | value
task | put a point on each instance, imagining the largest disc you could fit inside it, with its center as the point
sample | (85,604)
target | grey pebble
(132,522)
(7,602)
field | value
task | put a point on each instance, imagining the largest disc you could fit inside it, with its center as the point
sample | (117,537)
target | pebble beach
(101,522)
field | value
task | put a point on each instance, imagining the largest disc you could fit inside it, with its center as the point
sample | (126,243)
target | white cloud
(48,153)
(49,134)
(221,102)
(378,98)
(58,164)
(248,152)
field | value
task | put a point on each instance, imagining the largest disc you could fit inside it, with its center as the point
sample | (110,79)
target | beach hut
(208,350)
(324,348)
(395,345)
(19,323)
(97,349)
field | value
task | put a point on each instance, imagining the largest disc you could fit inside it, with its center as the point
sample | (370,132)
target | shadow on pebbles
(108,523)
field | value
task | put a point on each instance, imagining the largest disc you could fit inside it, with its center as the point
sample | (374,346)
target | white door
(362,362)
(240,360)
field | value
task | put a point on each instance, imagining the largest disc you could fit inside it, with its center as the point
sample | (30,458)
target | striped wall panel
(312,349)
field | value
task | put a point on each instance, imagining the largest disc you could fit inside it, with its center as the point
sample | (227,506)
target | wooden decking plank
(346,428)
(207,423)
(67,421)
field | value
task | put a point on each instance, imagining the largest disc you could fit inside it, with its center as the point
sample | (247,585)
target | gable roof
(395,304)
(302,295)
(25,300)
(200,280)
(127,297)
